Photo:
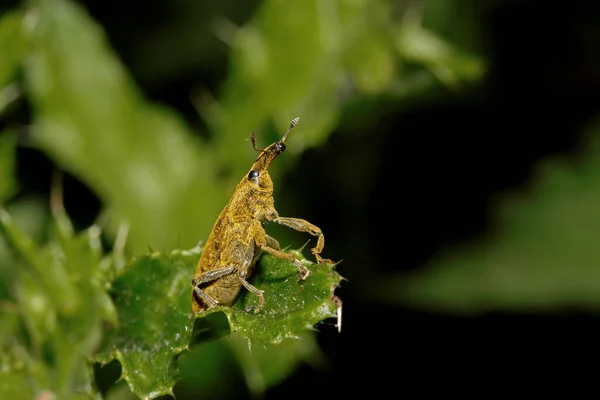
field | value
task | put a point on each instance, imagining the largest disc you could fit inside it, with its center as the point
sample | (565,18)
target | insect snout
(280,147)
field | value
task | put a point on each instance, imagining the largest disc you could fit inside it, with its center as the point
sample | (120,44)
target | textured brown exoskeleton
(238,237)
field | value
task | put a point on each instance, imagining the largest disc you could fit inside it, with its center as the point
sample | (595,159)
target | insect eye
(253,175)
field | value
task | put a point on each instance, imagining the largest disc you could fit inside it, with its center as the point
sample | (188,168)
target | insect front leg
(305,226)
(210,276)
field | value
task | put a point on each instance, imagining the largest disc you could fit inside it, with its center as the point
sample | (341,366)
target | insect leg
(259,293)
(305,226)
(210,276)
(286,256)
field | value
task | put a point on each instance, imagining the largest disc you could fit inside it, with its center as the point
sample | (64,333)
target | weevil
(238,237)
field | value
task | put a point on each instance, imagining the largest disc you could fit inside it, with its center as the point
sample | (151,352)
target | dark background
(439,162)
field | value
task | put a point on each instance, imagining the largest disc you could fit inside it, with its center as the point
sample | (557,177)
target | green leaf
(153,300)
(291,306)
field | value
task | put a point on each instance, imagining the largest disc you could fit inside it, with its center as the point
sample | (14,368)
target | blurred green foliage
(58,295)
(542,255)
(8,184)
(139,158)
(13,43)
(164,186)
(311,59)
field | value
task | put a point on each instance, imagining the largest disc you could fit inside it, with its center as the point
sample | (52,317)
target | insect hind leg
(207,277)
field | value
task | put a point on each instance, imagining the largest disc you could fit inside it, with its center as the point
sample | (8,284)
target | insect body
(238,237)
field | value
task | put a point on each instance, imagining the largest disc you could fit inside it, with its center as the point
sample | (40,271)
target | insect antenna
(292,124)
(253,139)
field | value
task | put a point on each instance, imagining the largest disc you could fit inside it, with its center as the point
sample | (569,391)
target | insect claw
(261,301)
(256,308)
(321,260)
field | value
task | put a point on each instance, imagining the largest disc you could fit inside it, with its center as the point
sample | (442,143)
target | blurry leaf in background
(286,62)
(420,45)
(266,367)
(140,159)
(229,368)
(8,184)
(13,45)
(13,49)
(221,368)
(210,370)
(279,70)
(30,216)
(17,370)
(310,59)
(542,256)
(59,296)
